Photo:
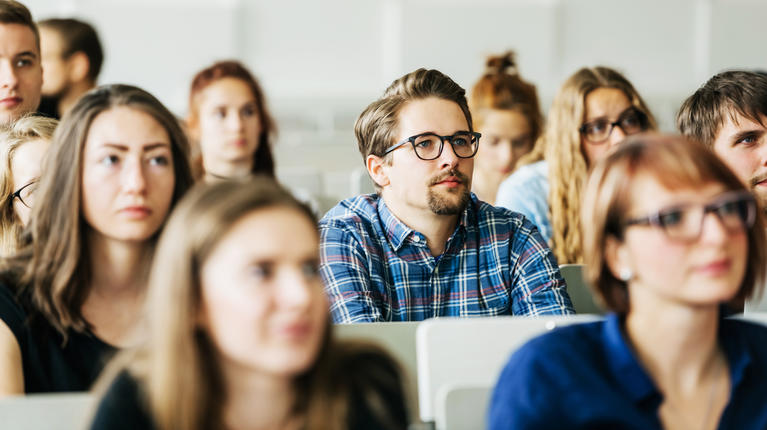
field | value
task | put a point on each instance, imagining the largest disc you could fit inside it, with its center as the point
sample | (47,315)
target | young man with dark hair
(21,74)
(729,115)
(72,57)
(424,246)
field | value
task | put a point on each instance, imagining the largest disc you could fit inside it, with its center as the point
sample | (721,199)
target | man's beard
(762,198)
(443,205)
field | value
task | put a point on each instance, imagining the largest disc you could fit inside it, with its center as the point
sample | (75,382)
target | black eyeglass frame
(17,194)
(654,219)
(632,110)
(474,135)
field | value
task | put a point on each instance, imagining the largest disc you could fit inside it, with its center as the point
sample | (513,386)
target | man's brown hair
(728,94)
(13,12)
(78,36)
(376,127)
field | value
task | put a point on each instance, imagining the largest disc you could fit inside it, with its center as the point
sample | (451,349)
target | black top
(49,106)
(49,364)
(376,400)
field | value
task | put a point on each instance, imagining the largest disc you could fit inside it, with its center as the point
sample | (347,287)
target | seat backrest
(46,411)
(579,291)
(398,338)
(471,352)
(461,407)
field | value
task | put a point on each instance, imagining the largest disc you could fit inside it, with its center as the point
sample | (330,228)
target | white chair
(46,411)
(469,354)
(456,406)
(397,338)
(579,291)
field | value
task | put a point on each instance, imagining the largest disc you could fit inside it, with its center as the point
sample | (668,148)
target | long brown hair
(54,264)
(177,367)
(561,147)
(13,136)
(263,161)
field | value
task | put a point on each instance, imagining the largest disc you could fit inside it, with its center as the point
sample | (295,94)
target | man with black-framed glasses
(423,245)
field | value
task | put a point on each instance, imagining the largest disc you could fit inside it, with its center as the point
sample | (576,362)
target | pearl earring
(626,274)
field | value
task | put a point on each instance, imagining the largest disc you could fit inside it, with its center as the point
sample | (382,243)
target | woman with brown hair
(229,122)
(674,243)
(505,110)
(24,144)
(593,111)
(72,294)
(239,328)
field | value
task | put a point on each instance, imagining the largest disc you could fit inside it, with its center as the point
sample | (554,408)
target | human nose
(616,135)
(713,229)
(8,77)
(134,179)
(234,122)
(505,153)
(448,158)
(297,289)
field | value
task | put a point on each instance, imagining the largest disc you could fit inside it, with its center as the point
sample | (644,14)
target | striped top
(376,268)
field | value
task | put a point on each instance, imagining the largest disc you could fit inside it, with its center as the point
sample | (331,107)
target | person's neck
(257,401)
(485,185)
(117,267)
(221,170)
(436,228)
(73,93)
(680,349)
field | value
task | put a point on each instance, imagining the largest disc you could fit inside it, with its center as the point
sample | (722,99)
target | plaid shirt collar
(397,231)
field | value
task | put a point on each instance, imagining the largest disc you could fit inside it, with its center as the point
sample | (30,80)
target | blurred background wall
(322,61)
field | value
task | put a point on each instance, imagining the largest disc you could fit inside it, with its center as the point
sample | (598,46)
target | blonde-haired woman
(73,293)
(594,110)
(674,243)
(24,143)
(239,333)
(505,110)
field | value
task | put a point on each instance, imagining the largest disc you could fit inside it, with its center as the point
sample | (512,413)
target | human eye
(671,217)
(462,139)
(249,110)
(425,142)
(747,139)
(310,269)
(595,127)
(261,272)
(159,160)
(521,143)
(23,62)
(219,113)
(109,160)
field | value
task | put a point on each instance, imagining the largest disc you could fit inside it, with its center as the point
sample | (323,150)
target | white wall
(322,61)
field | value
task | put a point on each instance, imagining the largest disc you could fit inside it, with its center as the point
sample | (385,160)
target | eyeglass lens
(735,215)
(631,122)
(429,146)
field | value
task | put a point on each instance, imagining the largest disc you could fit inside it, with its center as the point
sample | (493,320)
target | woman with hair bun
(506,111)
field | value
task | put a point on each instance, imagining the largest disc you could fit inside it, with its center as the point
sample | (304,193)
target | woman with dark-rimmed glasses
(595,109)
(674,242)
(73,294)
(24,143)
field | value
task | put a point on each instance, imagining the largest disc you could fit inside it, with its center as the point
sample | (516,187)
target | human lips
(10,102)
(296,330)
(715,268)
(451,181)
(136,212)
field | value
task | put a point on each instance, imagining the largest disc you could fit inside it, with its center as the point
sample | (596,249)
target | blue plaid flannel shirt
(375,268)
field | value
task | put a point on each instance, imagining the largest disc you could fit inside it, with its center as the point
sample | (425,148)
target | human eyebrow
(153,146)
(26,54)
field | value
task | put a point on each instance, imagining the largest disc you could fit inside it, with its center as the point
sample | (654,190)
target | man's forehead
(736,120)
(16,39)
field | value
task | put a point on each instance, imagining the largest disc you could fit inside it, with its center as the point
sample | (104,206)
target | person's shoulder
(374,382)
(751,332)
(362,209)
(527,174)
(123,405)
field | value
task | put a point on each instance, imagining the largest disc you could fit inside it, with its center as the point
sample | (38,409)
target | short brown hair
(377,125)
(726,94)
(78,36)
(13,12)
(501,88)
(674,162)
(263,161)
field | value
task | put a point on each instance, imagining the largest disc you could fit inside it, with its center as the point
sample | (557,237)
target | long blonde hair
(12,136)
(177,367)
(560,146)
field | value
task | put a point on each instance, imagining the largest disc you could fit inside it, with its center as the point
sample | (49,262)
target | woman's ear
(617,259)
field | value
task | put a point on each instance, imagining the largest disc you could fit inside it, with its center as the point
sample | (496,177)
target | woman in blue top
(673,241)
